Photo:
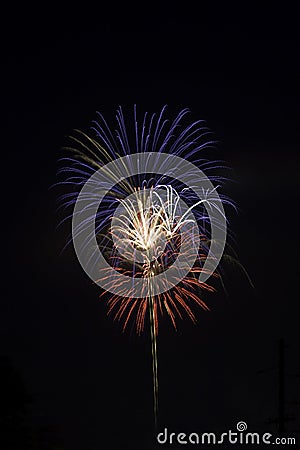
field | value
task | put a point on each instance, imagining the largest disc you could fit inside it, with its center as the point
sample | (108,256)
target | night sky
(91,384)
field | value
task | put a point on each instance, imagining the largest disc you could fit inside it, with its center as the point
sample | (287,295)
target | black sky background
(91,383)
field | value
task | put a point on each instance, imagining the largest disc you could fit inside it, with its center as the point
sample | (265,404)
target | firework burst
(149,220)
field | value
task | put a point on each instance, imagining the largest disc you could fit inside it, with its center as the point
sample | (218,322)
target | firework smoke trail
(149,220)
(154,355)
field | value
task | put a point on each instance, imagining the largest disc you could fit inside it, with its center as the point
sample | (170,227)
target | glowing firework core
(149,222)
